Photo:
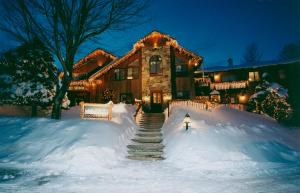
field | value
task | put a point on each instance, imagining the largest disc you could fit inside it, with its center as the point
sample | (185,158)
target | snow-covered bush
(31,76)
(271,99)
(66,102)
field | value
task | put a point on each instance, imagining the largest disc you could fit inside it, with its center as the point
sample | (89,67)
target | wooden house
(155,71)
(236,83)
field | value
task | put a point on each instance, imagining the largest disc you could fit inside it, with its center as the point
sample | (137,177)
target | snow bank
(71,145)
(228,141)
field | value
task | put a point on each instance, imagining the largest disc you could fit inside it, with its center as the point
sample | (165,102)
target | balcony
(229,85)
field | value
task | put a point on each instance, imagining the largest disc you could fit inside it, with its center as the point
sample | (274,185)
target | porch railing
(190,104)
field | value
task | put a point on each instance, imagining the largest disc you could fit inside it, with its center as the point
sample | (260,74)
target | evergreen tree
(33,75)
(271,99)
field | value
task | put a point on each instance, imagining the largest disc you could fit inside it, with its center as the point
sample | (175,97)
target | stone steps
(150,153)
(155,147)
(145,158)
(147,140)
(149,130)
(147,143)
(149,134)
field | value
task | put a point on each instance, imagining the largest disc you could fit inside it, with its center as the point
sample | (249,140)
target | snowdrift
(228,139)
(69,146)
(225,150)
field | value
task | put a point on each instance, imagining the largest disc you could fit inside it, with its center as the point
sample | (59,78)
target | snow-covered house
(236,83)
(155,71)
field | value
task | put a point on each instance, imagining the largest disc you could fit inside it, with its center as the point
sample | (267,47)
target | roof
(248,66)
(214,92)
(98,51)
(139,44)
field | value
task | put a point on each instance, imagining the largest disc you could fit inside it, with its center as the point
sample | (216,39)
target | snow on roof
(138,45)
(214,92)
(246,66)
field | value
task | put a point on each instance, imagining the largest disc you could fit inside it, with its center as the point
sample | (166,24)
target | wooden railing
(190,104)
(138,113)
(95,111)
(229,85)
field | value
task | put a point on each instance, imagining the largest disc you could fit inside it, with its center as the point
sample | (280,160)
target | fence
(189,104)
(96,111)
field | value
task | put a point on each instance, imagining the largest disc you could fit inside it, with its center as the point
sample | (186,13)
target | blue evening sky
(214,29)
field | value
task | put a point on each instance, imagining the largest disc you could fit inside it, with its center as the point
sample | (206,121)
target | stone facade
(161,82)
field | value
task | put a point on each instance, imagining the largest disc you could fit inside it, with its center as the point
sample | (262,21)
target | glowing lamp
(242,98)
(187,120)
(146,99)
(217,78)
(167,98)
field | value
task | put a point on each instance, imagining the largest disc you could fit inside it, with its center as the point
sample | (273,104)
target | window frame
(119,74)
(128,95)
(185,94)
(183,72)
(253,76)
(158,65)
(134,73)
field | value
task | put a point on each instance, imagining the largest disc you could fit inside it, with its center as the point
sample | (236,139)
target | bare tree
(64,25)
(290,51)
(252,56)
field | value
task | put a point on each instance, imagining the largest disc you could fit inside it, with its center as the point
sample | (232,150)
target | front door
(156,101)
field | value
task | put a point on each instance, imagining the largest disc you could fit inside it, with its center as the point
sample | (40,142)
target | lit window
(132,73)
(253,76)
(155,64)
(120,74)
(156,97)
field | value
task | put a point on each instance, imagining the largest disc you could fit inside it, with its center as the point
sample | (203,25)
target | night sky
(214,29)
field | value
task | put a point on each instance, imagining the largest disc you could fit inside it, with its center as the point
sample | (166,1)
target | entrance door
(156,101)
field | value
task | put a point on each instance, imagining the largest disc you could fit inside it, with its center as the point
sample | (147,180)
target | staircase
(147,143)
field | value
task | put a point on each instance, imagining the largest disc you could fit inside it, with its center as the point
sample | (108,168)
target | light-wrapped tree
(33,78)
(271,98)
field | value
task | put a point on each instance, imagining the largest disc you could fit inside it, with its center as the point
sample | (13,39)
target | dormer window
(155,65)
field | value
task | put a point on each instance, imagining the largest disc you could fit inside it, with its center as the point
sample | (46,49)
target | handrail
(138,112)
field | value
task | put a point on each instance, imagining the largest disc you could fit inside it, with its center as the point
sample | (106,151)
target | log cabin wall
(185,88)
(122,81)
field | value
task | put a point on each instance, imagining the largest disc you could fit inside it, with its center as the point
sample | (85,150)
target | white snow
(224,150)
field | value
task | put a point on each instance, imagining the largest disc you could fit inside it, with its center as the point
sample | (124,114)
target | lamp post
(187,120)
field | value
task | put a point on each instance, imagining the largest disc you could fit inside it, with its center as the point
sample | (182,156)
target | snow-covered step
(149,130)
(155,146)
(147,140)
(145,153)
(145,158)
(149,134)
(147,143)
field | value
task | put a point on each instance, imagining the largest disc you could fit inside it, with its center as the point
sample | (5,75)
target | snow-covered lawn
(224,151)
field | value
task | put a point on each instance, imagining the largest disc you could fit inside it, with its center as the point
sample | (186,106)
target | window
(156,97)
(132,73)
(253,76)
(181,69)
(126,98)
(183,94)
(120,74)
(155,64)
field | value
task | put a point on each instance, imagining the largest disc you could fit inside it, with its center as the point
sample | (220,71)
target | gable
(152,40)
(91,63)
